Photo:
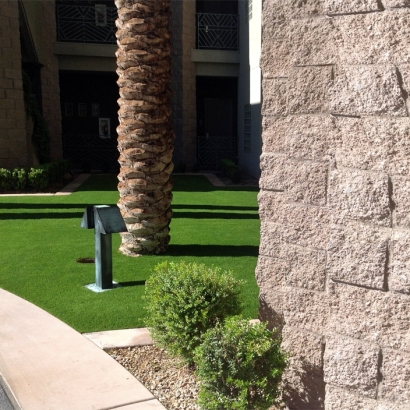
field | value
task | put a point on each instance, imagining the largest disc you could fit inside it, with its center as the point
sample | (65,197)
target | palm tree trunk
(145,133)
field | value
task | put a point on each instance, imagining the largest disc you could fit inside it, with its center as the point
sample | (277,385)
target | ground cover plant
(41,240)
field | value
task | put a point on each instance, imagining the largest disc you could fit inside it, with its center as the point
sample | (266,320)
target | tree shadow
(132,283)
(212,250)
(213,215)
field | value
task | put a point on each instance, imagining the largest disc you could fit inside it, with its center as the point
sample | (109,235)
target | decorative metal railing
(217,31)
(211,150)
(86,24)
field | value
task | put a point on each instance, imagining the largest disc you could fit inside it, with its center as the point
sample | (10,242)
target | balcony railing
(86,24)
(217,31)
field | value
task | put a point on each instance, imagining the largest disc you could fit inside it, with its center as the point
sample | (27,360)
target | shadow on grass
(213,215)
(216,207)
(132,283)
(213,250)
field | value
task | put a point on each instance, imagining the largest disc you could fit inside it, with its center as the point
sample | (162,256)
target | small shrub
(38,178)
(6,181)
(186,299)
(239,366)
(19,178)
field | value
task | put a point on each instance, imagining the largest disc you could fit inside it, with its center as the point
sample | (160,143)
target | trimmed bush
(184,300)
(239,366)
(38,178)
(6,181)
(19,179)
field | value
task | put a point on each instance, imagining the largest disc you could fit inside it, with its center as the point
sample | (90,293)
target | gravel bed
(171,381)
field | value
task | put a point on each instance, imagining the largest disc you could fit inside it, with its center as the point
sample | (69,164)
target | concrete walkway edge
(47,365)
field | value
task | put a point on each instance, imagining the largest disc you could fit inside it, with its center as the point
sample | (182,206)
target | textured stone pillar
(334,263)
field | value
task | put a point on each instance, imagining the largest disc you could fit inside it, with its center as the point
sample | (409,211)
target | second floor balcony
(217,31)
(79,22)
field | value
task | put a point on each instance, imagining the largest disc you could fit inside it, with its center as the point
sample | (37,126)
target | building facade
(333,270)
(68,47)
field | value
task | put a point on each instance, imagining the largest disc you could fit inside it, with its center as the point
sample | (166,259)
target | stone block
(277,14)
(307,269)
(302,382)
(401,200)
(298,267)
(305,91)
(374,144)
(305,309)
(271,272)
(395,386)
(352,364)
(399,278)
(274,96)
(308,137)
(359,195)
(373,38)
(298,308)
(270,309)
(370,315)
(303,347)
(276,57)
(296,224)
(343,399)
(313,41)
(396,3)
(367,90)
(403,72)
(308,90)
(357,254)
(301,181)
(333,7)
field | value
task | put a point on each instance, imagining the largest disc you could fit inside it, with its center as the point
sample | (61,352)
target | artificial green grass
(41,240)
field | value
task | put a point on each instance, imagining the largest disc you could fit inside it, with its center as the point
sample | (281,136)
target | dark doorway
(89,119)
(217,6)
(216,120)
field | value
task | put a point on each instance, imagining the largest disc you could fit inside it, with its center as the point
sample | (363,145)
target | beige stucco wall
(334,264)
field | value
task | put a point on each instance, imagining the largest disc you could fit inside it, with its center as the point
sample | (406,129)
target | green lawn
(41,239)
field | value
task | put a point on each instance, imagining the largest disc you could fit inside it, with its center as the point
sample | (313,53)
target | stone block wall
(13,138)
(50,79)
(334,263)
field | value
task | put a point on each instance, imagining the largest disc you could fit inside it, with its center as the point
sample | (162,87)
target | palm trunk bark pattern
(145,133)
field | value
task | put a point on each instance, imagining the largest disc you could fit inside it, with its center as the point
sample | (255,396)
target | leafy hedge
(37,179)
(193,314)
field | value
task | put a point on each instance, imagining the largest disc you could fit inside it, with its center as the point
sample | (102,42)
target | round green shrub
(184,300)
(239,366)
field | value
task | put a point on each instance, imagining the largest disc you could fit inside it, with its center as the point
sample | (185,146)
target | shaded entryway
(89,119)
(216,120)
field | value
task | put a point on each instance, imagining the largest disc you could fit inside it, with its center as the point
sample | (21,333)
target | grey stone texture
(334,256)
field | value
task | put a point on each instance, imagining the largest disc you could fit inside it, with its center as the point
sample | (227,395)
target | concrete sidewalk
(47,365)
